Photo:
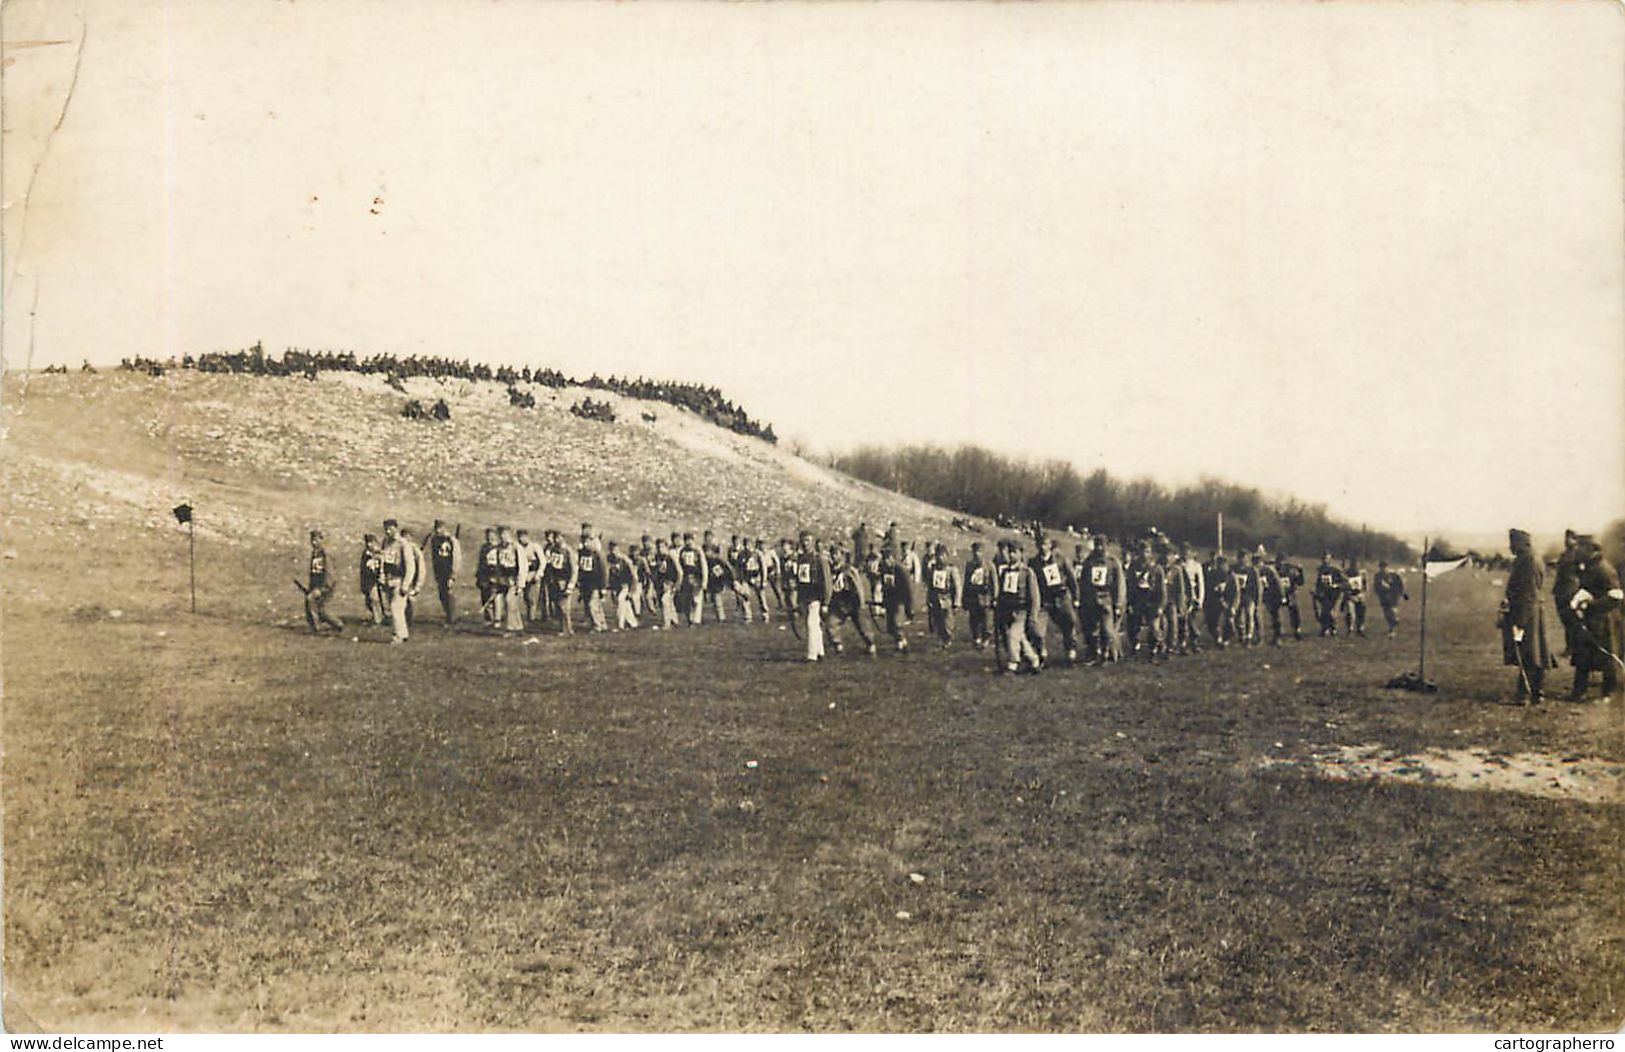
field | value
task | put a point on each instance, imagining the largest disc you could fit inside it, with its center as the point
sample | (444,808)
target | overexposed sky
(1364,253)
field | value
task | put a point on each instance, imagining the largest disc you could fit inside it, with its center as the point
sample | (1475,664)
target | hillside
(263,458)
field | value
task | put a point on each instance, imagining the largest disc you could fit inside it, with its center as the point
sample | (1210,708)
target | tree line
(981,482)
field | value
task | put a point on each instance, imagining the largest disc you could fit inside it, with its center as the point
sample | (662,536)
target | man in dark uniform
(1220,600)
(1249,593)
(1327,594)
(1017,603)
(1523,621)
(691,591)
(592,578)
(889,584)
(786,587)
(719,575)
(372,579)
(1353,598)
(1599,635)
(559,579)
(846,600)
(943,588)
(1147,595)
(1390,589)
(485,561)
(666,575)
(1274,590)
(623,579)
(444,556)
(1103,593)
(1566,582)
(319,589)
(752,584)
(1176,608)
(978,595)
(1291,575)
(1057,589)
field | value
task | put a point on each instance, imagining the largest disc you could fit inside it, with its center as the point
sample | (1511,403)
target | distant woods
(978,481)
(706,402)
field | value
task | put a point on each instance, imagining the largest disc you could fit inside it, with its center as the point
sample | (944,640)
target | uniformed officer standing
(1523,620)
(1390,589)
(319,588)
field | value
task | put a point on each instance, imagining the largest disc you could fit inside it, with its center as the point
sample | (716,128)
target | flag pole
(1422,649)
(1221,531)
(191,559)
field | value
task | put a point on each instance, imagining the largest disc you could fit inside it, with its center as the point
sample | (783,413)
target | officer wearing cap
(1523,619)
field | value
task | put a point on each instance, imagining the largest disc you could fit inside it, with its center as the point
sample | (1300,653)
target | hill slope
(264,457)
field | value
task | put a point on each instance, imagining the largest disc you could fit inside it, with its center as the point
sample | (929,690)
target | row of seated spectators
(704,401)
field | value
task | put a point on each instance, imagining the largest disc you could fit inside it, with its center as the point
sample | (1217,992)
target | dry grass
(218,822)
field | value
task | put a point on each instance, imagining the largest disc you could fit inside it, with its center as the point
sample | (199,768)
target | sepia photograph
(811,517)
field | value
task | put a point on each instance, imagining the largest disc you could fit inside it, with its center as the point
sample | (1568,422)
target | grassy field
(218,822)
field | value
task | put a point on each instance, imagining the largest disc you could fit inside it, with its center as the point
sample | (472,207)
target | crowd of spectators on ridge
(704,401)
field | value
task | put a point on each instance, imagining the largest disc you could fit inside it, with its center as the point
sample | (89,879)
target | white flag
(1435,569)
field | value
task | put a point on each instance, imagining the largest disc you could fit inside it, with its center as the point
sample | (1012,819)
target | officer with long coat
(1523,619)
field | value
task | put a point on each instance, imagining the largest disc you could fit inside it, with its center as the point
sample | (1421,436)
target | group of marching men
(1159,602)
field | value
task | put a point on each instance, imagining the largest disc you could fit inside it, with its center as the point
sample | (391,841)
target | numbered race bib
(1143,581)
(1052,574)
(586,564)
(690,560)
(804,573)
(939,580)
(1357,583)
(978,576)
(1097,576)
(1012,580)
(1325,580)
